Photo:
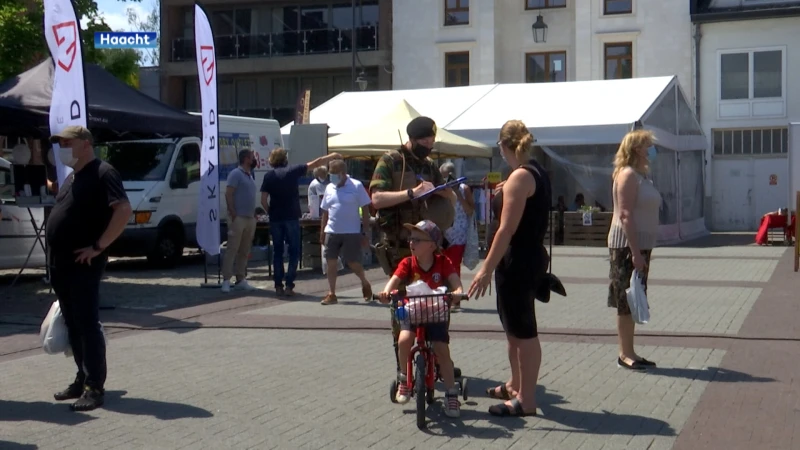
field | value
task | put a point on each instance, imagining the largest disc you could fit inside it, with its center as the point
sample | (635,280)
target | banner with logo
(68,105)
(208,208)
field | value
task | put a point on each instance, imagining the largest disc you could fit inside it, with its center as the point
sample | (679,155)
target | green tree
(150,22)
(22,44)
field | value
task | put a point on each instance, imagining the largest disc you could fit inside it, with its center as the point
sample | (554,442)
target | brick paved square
(673,308)
(313,389)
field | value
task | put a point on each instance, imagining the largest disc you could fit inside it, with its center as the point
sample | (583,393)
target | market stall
(578,126)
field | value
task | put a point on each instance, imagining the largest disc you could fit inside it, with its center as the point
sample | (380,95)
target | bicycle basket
(428,309)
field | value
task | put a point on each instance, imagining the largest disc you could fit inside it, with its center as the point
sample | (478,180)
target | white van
(17,235)
(162,180)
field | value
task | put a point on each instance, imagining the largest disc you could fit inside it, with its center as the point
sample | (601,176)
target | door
(732,195)
(771,186)
(183,202)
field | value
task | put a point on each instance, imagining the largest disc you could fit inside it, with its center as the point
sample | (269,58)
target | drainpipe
(697,87)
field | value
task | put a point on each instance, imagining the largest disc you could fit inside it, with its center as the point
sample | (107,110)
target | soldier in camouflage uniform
(400,177)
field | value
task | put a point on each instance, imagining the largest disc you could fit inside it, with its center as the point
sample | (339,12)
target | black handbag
(550,283)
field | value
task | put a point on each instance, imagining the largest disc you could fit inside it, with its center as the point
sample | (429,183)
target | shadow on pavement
(715,374)
(118,403)
(600,423)
(6,445)
(14,411)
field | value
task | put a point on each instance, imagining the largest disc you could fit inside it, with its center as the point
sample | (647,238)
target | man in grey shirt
(240,196)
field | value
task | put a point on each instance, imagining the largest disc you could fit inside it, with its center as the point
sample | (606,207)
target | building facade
(748,53)
(268,52)
(492,41)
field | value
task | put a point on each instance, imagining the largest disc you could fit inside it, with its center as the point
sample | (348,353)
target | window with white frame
(751,74)
(751,142)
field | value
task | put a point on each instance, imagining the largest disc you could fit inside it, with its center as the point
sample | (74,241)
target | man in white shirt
(345,222)
(316,190)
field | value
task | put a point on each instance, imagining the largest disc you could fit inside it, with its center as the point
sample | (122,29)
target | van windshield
(137,160)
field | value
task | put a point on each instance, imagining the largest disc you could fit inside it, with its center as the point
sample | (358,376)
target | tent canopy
(570,113)
(115,109)
(389,133)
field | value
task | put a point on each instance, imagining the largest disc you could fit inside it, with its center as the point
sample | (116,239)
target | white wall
(420,41)
(744,35)
(499,35)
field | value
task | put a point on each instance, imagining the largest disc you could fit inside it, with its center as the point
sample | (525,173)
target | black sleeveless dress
(524,265)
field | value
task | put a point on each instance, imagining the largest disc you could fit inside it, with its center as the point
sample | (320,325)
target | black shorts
(436,332)
(517,282)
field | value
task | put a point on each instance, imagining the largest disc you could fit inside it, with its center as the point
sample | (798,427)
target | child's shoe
(403,392)
(452,407)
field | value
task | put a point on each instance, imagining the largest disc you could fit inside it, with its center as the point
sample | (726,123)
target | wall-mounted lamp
(539,29)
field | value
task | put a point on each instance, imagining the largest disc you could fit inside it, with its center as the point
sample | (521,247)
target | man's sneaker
(452,407)
(226,286)
(290,292)
(403,392)
(244,286)
(279,291)
(72,392)
(90,399)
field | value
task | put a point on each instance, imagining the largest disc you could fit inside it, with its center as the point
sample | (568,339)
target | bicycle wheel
(419,389)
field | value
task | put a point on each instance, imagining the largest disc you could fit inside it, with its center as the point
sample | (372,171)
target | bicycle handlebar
(402,294)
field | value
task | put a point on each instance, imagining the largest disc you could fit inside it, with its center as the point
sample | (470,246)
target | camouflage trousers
(402,252)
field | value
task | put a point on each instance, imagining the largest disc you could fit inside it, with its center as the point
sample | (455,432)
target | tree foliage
(23,45)
(150,22)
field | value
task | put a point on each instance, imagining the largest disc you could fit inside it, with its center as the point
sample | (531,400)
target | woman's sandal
(503,410)
(503,395)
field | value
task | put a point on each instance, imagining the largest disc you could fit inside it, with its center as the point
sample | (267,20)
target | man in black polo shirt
(91,211)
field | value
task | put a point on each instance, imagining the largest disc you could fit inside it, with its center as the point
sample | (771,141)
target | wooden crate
(596,235)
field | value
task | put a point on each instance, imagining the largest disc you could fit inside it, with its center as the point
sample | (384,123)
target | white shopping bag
(53,332)
(340,264)
(432,309)
(637,299)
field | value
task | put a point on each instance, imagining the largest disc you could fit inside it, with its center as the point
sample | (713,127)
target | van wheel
(169,248)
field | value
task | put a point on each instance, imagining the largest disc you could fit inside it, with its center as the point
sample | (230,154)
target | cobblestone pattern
(238,389)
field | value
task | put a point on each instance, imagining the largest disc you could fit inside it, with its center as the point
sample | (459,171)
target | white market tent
(578,125)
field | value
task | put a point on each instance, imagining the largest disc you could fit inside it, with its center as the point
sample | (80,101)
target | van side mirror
(180,178)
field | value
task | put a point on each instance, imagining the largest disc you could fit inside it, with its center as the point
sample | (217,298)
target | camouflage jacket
(389,176)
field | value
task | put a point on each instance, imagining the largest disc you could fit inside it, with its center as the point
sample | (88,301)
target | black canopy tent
(116,110)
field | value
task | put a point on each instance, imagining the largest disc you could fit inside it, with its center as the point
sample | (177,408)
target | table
(38,239)
(772,221)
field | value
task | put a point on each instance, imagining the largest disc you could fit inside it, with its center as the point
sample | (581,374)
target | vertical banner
(68,105)
(208,208)
(303,107)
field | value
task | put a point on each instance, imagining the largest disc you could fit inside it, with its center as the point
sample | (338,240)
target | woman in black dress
(519,259)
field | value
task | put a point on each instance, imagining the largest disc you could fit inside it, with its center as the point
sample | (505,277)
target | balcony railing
(289,43)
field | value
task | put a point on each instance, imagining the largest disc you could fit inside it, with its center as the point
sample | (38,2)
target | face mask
(420,151)
(65,155)
(336,178)
(651,154)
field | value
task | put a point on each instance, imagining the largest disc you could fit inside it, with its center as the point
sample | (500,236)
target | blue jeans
(285,231)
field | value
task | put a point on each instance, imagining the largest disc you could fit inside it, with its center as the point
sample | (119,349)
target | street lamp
(361,81)
(539,29)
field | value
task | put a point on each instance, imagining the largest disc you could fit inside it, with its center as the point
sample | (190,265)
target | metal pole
(353,47)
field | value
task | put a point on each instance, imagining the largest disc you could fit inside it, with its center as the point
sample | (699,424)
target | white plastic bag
(430,309)
(53,332)
(637,299)
(340,264)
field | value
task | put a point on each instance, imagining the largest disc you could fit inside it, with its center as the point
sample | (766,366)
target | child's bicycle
(423,370)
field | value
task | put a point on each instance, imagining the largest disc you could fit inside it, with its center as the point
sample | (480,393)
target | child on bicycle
(426,263)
